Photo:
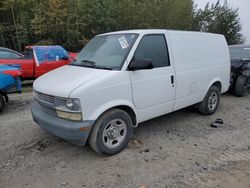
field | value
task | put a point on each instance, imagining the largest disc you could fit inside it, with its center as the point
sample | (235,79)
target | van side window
(154,48)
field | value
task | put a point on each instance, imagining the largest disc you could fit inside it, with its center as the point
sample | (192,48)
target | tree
(15,26)
(222,19)
(71,23)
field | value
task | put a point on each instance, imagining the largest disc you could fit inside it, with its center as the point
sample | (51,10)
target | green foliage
(72,23)
(222,19)
(15,23)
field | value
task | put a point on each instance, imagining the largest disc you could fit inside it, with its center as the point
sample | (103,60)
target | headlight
(73,104)
(75,116)
(70,104)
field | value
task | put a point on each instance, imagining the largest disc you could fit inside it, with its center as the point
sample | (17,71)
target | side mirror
(140,64)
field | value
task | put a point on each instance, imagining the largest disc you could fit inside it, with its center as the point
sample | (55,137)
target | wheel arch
(123,105)
(215,82)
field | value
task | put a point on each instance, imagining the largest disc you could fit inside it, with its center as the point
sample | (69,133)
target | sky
(244,13)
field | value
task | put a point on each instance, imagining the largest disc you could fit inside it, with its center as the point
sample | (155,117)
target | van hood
(62,81)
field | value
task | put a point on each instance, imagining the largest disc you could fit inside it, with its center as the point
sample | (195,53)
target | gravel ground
(176,150)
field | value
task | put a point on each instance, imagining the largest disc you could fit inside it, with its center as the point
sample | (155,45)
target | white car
(121,79)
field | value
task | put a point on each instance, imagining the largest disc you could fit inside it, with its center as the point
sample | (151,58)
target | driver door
(153,89)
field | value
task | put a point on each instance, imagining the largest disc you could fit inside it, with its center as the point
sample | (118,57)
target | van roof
(150,31)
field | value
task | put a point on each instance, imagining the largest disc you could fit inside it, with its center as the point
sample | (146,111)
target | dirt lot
(176,150)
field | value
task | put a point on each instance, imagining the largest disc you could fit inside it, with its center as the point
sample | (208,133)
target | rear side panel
(200,60)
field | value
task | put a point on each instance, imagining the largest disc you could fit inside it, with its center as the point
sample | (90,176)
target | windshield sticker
(123,42)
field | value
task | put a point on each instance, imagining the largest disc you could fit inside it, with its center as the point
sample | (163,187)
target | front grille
(44,97)
(45,109)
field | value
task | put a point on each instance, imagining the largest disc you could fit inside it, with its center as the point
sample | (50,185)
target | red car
(37,60)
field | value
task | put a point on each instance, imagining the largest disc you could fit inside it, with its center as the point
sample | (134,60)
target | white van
(123,78)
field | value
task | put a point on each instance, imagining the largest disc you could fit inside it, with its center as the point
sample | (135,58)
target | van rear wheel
(211,101)
(111,132)
(2,103)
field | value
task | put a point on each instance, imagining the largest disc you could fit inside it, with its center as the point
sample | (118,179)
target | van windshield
(106,51)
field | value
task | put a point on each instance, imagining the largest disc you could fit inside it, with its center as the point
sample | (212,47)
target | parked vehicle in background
(124,78)
(240,69)
(48,58)
(6,53)
(10,82)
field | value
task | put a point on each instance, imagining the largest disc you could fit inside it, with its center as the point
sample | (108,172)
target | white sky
(244,12)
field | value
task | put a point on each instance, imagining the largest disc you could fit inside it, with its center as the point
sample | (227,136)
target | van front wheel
(111,132)
(211,101)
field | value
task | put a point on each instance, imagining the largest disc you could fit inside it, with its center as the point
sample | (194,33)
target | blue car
(10,82)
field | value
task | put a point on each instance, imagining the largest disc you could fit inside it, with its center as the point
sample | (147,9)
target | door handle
(172,79)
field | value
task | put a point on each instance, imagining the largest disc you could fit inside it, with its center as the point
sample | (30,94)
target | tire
(241,86)
(211,101)
(111,132)
(2,103)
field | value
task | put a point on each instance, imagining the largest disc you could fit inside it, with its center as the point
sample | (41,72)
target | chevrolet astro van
(121,79)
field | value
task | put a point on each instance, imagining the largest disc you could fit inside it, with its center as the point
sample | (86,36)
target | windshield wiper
(102,67)
(91,64)
(88,61)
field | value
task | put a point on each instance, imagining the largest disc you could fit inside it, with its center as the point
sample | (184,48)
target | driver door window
(153,48)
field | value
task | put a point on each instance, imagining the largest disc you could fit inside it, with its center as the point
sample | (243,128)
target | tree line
(72,23)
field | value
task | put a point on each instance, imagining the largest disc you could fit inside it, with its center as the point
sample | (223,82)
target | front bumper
(72,131)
